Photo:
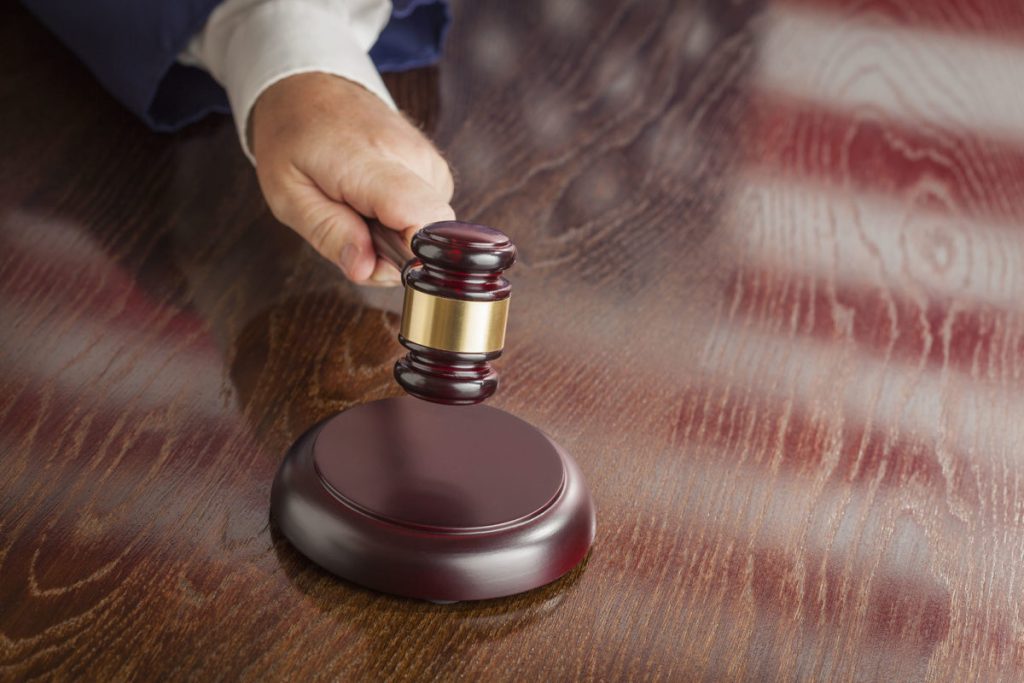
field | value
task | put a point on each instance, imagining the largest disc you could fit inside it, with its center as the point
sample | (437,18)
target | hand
(329,152)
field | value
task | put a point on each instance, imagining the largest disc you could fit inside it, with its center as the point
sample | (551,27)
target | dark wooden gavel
(456,308)
(438,499)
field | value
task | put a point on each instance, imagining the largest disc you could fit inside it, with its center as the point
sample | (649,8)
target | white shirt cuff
(247,47)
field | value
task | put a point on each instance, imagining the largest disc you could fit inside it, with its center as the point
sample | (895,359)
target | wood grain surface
(771,298)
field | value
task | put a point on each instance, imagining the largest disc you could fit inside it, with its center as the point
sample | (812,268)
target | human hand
(329,152)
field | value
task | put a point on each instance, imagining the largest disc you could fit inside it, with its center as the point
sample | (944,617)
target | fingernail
(349,256)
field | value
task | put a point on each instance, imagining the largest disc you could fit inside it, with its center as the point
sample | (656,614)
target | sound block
(437,502)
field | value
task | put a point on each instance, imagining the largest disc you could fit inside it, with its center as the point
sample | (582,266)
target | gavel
(440,499)
(455,311)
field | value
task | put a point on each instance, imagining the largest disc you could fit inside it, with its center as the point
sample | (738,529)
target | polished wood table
(771,297)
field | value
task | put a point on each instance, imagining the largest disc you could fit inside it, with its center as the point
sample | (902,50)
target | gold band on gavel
(453,325)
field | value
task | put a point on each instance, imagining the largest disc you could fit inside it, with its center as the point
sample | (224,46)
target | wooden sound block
(438,502)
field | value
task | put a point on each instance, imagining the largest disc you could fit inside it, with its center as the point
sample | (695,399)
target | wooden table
(771,297)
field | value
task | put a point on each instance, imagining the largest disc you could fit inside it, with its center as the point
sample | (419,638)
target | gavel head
(456,306)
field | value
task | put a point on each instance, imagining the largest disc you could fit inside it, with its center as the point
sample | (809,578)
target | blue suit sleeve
(414,37)
(132,49)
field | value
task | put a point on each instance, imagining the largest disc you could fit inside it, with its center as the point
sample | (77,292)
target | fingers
(394,195)
(338,233)
(386,190)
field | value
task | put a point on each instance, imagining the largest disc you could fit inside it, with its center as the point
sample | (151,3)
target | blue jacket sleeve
(414,36)
(132,49)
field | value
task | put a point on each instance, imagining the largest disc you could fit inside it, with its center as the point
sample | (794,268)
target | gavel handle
(390,245)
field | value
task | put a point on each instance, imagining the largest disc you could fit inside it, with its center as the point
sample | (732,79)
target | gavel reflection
(455,311)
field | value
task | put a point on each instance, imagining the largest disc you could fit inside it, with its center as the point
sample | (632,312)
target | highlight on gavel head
(456,308)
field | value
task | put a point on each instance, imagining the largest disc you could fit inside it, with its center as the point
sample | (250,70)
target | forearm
(132,47)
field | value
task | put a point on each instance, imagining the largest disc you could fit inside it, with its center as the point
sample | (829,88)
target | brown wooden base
(442,503)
